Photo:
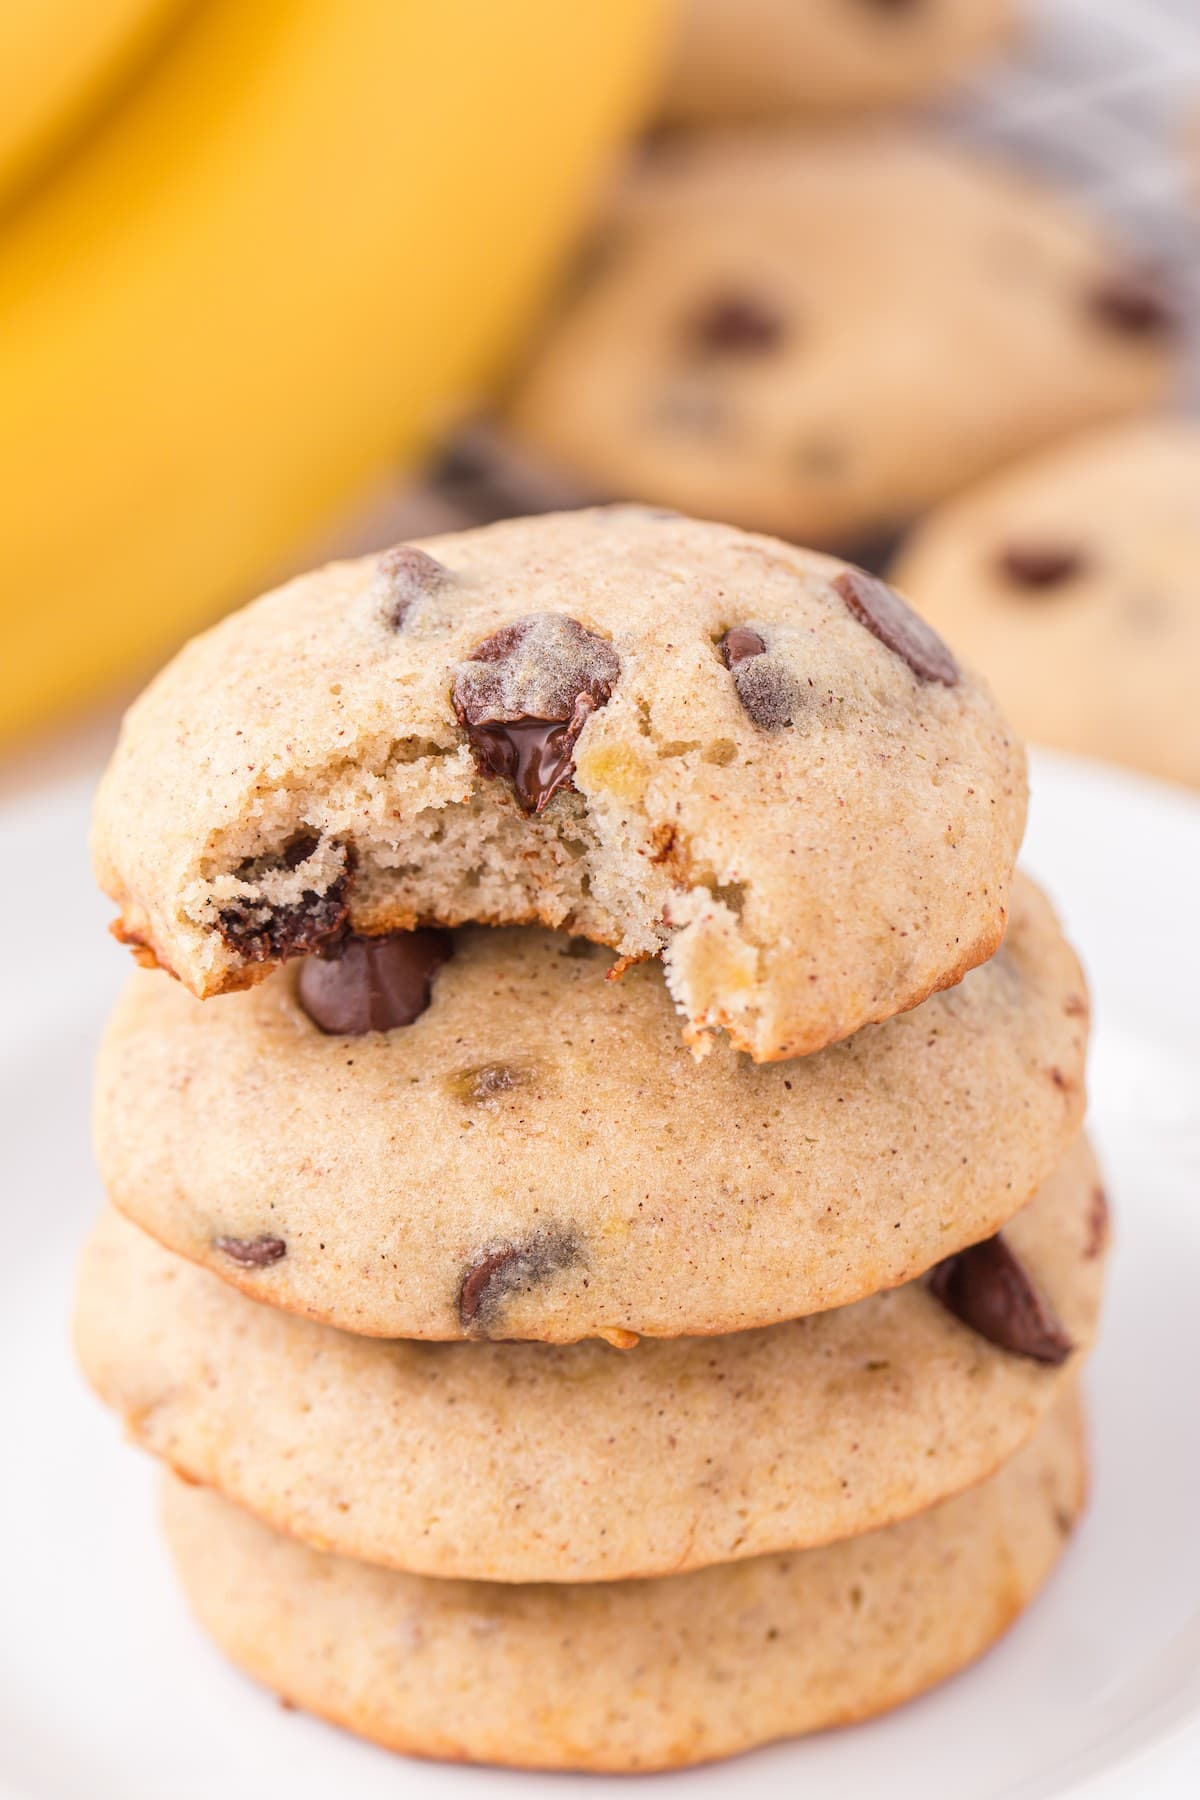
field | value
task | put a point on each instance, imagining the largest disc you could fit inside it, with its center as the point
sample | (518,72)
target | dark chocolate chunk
(510,1269)
(737,325)
(258,931)
(524,696)
(892,620)
(372,984)
(1037,567)
(1131,301)
(252,1253)
(404,575)
(989,1289)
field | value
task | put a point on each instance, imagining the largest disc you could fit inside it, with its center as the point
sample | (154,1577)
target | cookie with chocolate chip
(748,58)
(821,336)
(537,1154)
(777,1439)
(1074,579)
(634,1675)
(667,736)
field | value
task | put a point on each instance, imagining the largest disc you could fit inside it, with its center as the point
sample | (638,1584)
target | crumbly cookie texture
(1074,580)
(587,1463)
(742,58)
(537,1155)
(542,721)
(633,1675)
(822,335)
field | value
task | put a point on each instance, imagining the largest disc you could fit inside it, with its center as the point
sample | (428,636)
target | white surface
(107,1691)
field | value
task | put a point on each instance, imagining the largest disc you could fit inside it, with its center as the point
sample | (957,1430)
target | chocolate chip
(1040,566)
(737,325)
(372,983)
(765,685)
(1132,302)
(404,575)
(892,620)
(510,1269)
(989,1289)
(252,1253)
(258,930)
(487,1081)
(1097,1225)
(740,642)
(524,696)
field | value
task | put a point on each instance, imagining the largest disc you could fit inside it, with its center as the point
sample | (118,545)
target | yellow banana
(301,243)
(59,60)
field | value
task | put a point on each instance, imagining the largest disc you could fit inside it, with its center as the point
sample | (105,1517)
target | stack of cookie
(595,1132)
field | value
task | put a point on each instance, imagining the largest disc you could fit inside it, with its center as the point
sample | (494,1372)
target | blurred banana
(291,253)
(58,62)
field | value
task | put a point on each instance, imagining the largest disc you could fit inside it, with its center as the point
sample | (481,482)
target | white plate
(108,1692)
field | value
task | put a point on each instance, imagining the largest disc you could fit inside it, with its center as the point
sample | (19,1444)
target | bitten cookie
(1074,580)
(820,336)
(663,735)
(633,1675)
(739,58)
(536,1154)
(591,1464)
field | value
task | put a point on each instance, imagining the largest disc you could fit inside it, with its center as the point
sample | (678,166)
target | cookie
(662,735)
(586,1463)
(821,335)
(537,1155)
(642,1674)
(1075,580)
(742,58)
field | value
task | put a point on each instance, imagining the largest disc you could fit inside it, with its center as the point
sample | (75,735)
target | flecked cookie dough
(538,1155)
(663,735)
(1074,579)
(820,335)
(586,1463)
(633,1675)
(741,58)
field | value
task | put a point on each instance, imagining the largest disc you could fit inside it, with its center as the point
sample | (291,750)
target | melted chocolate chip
(1037,567)
(892,620)
(258,931)
(252,1253)
(404,575)
(1132,302)
(372,984)
(510,1269)
(525,695)
(989,1289)
(736,325)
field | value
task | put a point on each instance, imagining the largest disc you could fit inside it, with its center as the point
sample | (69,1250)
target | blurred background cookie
(1074,580)
(818,336)
(738,58)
